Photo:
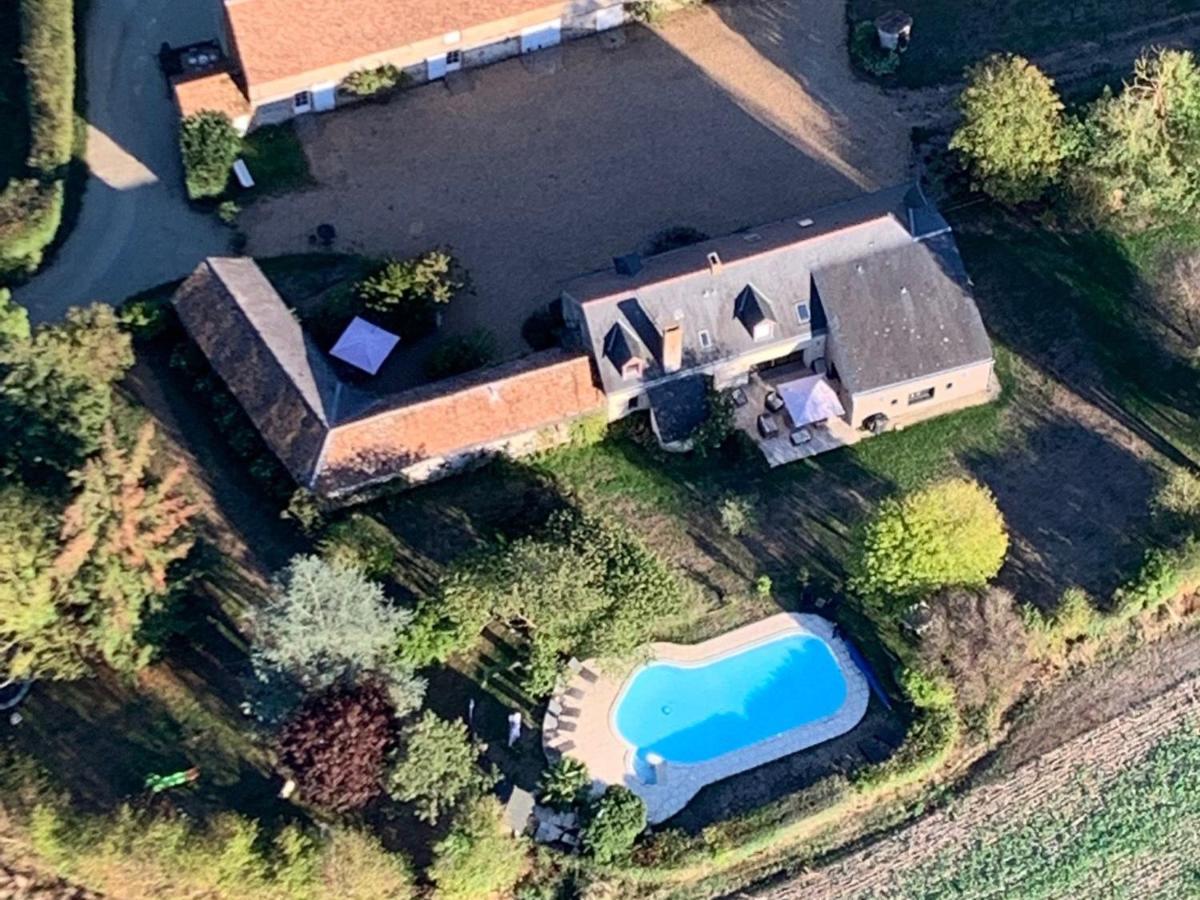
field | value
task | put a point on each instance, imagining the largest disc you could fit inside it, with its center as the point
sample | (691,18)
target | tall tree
(1143,144)
(1012,134)
(119,536)
(947,533)
(36,638)
(56,391)
(327,623)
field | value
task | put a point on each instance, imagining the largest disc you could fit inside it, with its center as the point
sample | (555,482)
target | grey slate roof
(765,273)
(259,350)
(775,260)
(902,314)
(678,406)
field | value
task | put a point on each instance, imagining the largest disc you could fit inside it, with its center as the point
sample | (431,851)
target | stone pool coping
(580,720)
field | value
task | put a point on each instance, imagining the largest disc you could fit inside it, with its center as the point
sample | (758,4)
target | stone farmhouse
(289,57)
(822,329)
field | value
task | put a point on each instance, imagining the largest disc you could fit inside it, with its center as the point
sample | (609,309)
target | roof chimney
(714,262)
(672,348)
(629,264)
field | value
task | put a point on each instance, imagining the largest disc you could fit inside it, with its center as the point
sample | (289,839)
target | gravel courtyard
(731,115)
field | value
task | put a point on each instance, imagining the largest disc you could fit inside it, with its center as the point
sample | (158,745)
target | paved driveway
(730,116)
(135,229)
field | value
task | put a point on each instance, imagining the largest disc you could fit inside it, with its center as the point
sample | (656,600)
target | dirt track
(1104,751)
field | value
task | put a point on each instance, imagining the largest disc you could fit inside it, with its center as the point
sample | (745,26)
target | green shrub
(1179,496)
(368,82)
(666,849)
(866,53)
(142,855)
(438,767)
(14,319)
(1163,575)
(30,213)
(763,586)
(931,736)
(227,212)
(614,821)
(149,315)
(948,533)
(432,638)
(479,858)
(565,784)
(209,145)
(717,426)
(456,355)
(405,294)
(360,542)
(737,515)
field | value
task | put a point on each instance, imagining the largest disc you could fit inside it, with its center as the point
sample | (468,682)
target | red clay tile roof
(215,91)
(281,38)
(535,392)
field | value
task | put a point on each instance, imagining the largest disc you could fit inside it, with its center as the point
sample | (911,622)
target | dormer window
(753,310)
(632,369)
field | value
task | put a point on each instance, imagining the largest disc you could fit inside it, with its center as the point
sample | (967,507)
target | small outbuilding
(894,29)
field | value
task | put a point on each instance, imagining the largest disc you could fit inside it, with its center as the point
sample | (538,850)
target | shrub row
(31,208)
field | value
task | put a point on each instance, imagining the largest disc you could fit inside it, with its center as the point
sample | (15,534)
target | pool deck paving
(580,720)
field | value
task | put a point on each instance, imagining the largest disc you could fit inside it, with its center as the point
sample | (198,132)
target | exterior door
(538,37)
(324,97)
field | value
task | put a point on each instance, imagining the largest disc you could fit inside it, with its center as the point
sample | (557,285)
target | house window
(634,402)
(454,57)
(705,339)
(632,369)
(802,313)
(302,102)
(920,396)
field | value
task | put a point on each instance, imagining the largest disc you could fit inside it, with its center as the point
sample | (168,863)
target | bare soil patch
(726,117)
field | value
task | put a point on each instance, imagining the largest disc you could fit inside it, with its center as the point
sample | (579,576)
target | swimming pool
(695,712)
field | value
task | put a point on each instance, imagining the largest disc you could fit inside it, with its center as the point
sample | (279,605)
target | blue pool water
(689,714)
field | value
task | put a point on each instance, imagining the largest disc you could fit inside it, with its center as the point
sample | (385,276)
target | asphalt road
(135,229)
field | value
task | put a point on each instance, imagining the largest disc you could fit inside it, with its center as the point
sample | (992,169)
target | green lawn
(276,159)
(14,135)
(951,34)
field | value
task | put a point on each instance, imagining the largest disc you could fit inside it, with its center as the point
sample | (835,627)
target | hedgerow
(31,207)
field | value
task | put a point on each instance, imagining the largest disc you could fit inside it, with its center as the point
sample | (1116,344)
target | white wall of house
(920,395)
(474,46)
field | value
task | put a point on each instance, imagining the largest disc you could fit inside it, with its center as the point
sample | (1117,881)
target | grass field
(951,34)
(14,114)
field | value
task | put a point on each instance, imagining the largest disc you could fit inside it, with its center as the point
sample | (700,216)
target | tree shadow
(1077,508)
(1068,303)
